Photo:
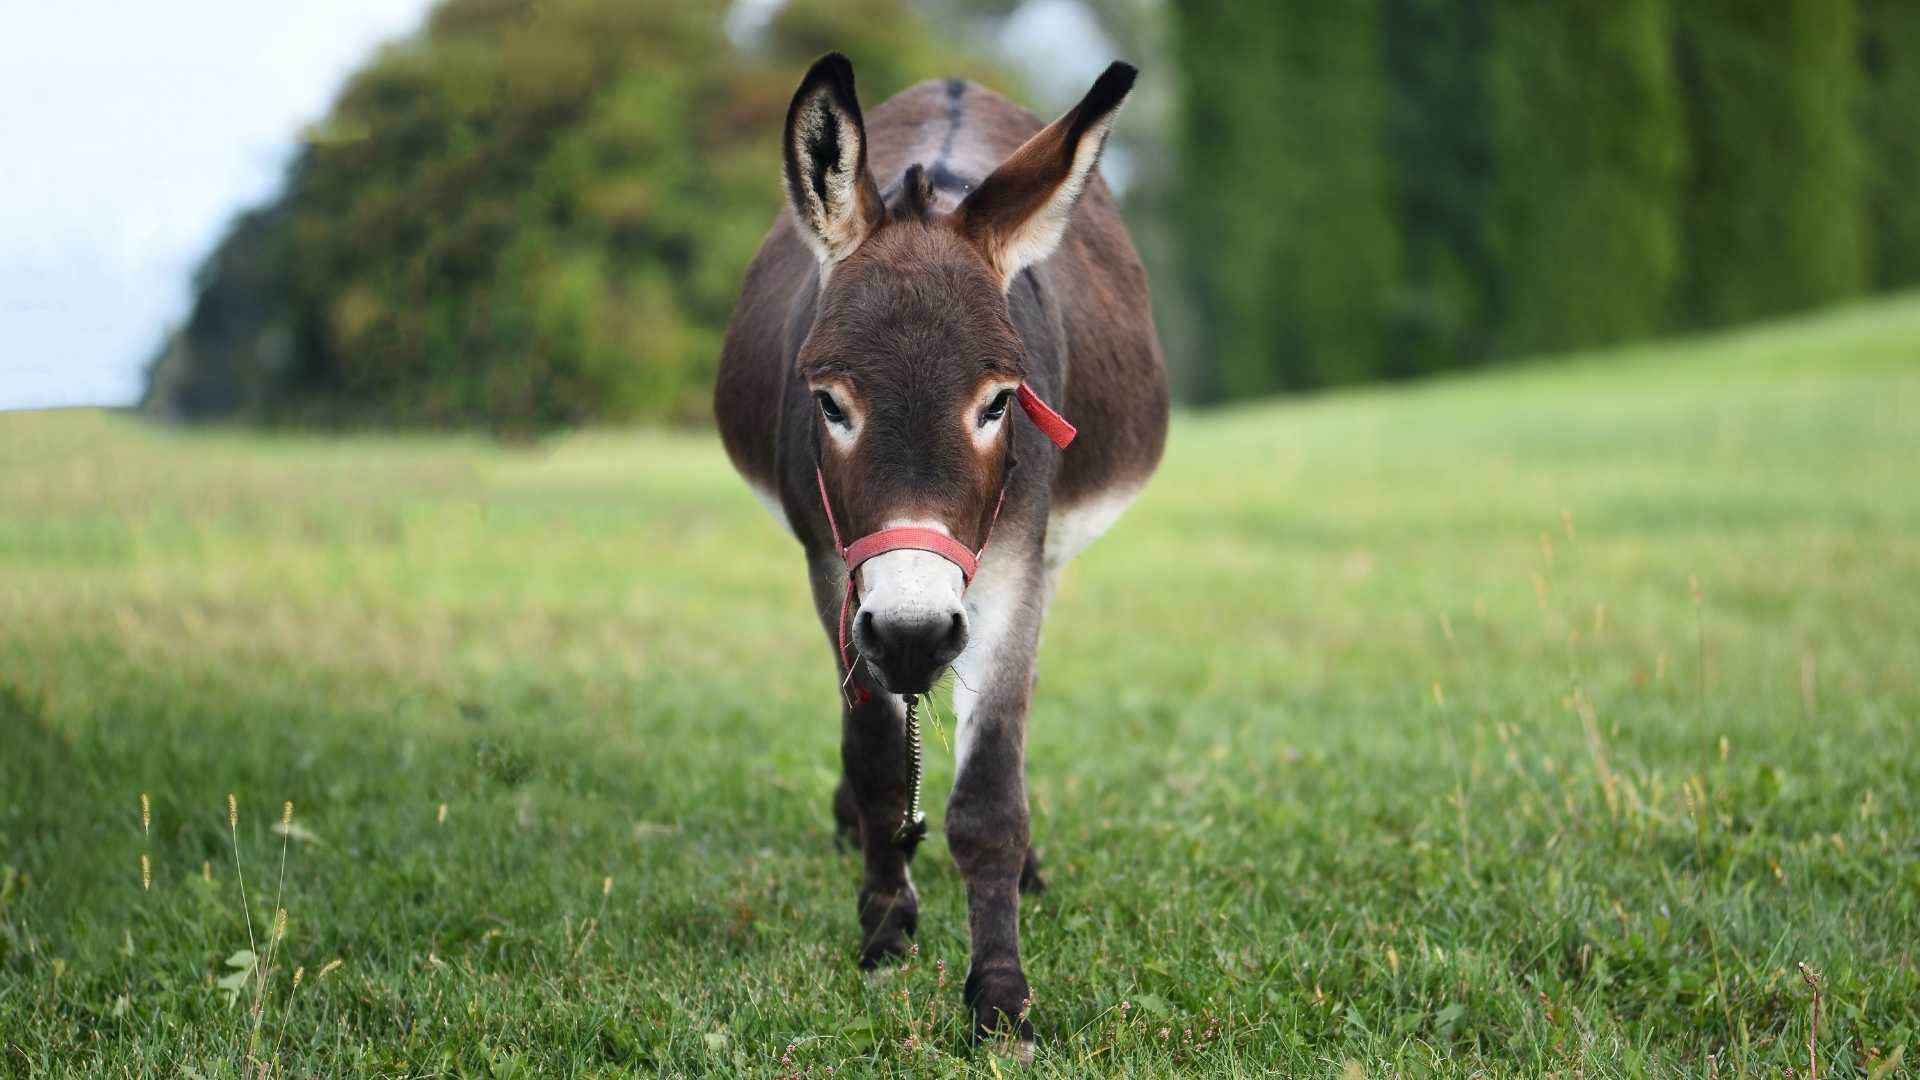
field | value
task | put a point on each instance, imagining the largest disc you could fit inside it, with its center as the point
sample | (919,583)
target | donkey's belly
(1071,528)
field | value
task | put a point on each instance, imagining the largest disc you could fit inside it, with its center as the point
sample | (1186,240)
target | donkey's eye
(830,408)
(996,408)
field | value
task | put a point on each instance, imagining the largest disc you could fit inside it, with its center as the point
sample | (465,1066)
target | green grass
(1603,843)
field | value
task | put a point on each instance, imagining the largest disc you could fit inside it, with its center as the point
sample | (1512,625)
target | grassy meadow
(1539,721)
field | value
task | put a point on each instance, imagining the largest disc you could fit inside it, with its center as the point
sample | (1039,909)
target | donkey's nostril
(908,650)
(956,636)
(867,639)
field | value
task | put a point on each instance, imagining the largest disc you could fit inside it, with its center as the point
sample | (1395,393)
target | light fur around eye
(840,414)
(987,413)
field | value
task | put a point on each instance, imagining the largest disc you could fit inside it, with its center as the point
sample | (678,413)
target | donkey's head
(913,360)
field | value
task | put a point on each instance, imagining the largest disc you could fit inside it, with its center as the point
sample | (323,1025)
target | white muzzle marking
(910,585)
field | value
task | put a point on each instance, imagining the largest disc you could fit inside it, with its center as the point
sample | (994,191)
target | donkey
(866,389)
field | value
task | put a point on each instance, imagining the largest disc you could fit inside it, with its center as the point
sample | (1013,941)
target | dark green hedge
(1287,211)
(1587,150)
(1443,308)
(1557,175)
(1776,215)
(1890,122)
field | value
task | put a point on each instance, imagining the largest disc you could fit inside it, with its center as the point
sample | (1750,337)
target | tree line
(1382,188)
(536,212)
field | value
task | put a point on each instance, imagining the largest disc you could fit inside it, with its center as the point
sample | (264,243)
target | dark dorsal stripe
(912,194)
(945,179)
(956,89)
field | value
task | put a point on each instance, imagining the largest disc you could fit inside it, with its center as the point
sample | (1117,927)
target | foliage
(1289,225)
(1588,151)
(1380,758)
(1443,309)
(1890,63)
(1559,175)
(536,212)
(1775,210)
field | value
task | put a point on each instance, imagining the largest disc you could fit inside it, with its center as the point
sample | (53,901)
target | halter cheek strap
(1051,424)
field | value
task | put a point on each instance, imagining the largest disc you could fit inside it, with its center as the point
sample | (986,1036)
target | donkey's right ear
(825,149)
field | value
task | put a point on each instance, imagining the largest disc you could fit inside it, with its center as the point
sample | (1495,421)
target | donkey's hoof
(1000,1003)
(1019,1051)
(887,920)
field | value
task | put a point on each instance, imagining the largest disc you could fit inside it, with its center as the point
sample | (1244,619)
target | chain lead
(913,825)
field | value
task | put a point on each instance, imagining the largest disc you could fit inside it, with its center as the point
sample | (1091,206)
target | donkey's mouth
(894,684)
(903,687)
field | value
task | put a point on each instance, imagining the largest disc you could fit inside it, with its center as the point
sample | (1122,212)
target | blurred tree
(535,212)
(1775,213)
(238,338)
(1588,150)
(1440,149)
(1890,63)
(1291,248)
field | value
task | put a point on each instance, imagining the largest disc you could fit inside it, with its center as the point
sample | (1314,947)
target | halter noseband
(1051,424)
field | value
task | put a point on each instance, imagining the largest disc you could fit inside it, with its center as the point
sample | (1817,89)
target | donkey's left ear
(1018,215)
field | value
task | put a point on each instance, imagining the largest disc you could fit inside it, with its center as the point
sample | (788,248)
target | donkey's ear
(1018,215)
(825,152)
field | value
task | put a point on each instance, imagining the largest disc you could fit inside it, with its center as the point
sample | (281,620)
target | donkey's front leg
(873,753)
(987,825)
(987,833)
(871,798)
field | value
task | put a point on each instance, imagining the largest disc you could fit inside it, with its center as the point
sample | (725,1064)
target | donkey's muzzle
(907,651)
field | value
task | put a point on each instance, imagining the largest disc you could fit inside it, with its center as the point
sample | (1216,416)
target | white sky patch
(130,134)
(749,20)
(1060,48)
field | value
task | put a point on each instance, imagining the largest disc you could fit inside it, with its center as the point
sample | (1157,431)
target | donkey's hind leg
(846,819)
(1031,883)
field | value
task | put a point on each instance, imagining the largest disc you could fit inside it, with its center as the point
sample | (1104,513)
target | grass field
(1389,734)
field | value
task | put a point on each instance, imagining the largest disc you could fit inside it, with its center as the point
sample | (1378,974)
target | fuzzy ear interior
(825,157)
(1018,215)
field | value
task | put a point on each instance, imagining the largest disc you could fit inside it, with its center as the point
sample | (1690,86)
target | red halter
(1051,424)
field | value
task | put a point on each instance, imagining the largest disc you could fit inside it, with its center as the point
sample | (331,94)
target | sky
(131,131)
